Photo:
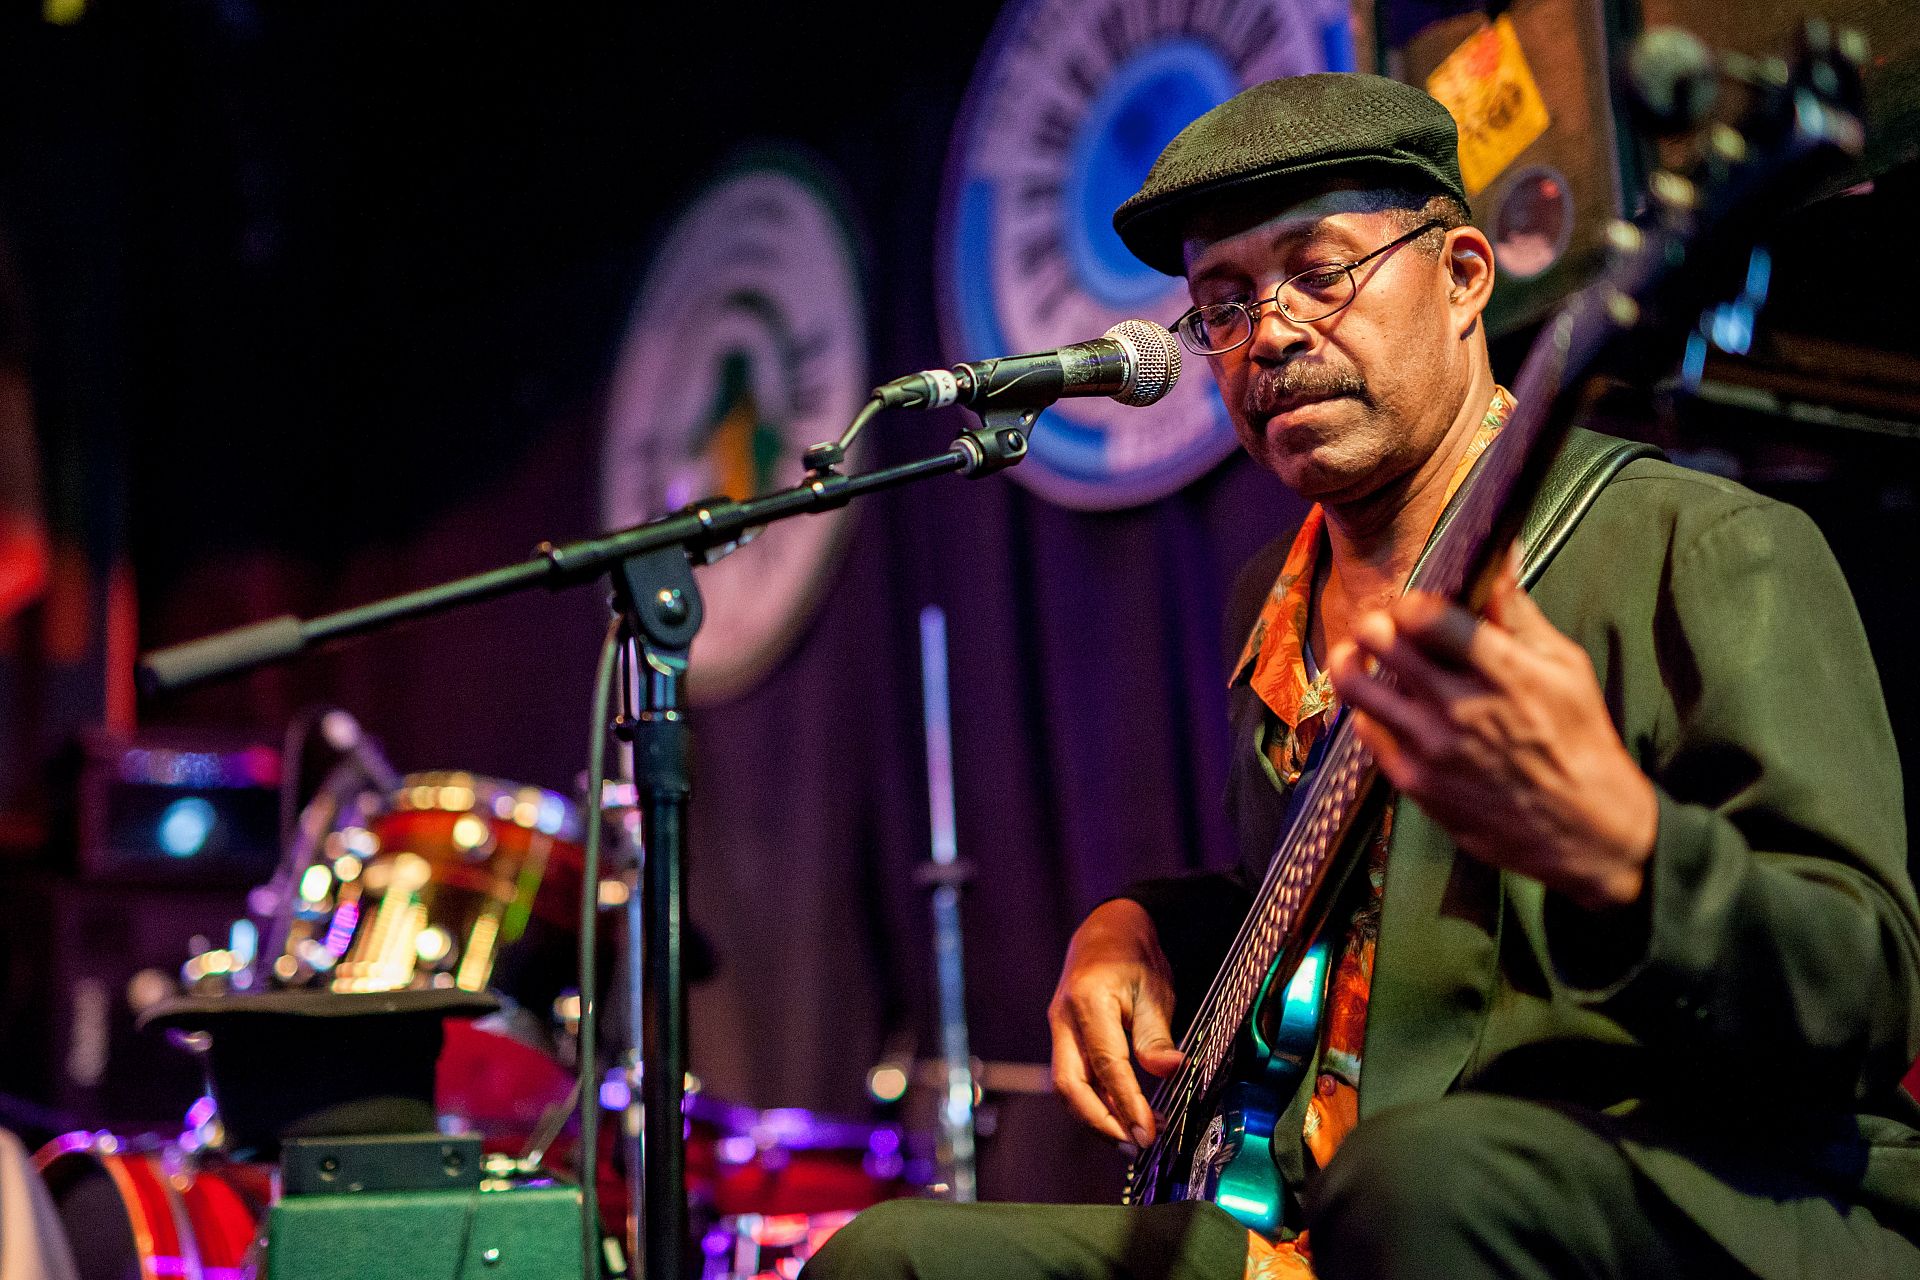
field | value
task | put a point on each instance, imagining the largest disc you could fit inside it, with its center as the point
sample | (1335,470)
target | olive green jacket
(1748,1028)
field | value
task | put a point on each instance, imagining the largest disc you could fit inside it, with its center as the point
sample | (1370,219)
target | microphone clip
(998,442)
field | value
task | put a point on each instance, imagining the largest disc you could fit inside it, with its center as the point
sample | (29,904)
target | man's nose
(1275,337)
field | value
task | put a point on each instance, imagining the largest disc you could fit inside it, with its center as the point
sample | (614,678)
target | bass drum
(151,1211)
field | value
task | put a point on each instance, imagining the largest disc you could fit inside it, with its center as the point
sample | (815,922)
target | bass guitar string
(1206,1022)
(1230,997)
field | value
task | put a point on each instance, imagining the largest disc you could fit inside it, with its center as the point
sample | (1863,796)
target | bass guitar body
(1232,1162)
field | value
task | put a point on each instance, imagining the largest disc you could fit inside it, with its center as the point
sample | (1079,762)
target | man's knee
(1401,1163)
(930,1240)
(1486,1174)
(886,1242)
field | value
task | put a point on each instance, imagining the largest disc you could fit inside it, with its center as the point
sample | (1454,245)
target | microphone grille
(1156,360)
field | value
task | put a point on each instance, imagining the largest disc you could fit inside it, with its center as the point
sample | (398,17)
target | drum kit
(456,883)
(360,916)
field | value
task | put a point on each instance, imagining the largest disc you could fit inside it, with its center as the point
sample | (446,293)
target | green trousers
(1472,1185)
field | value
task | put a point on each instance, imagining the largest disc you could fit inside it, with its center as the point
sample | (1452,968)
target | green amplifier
(415,1207)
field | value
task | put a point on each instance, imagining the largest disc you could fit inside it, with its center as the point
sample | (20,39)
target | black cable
(860,420)
(589,1162)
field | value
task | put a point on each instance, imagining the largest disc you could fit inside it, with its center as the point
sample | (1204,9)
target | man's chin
(1301,470)
(1294,433)
(1312,470)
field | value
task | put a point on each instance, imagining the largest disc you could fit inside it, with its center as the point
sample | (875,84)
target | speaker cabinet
(1766,27)
(1547,210)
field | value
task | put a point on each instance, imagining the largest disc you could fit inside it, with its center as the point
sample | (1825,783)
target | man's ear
(1469,262)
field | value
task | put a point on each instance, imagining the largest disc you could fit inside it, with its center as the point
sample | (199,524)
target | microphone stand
(651,567)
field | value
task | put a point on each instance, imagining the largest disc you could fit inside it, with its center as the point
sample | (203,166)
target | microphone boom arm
(996,445)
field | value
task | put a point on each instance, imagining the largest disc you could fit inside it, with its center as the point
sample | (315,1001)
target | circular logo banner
(748,343)
(1068,109)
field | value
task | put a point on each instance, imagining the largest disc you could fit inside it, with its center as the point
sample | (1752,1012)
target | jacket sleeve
(1776,943)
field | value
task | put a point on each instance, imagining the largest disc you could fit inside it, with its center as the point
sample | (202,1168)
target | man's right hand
(1113,1005)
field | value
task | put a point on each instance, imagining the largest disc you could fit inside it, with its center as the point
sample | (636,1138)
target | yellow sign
(1489,88)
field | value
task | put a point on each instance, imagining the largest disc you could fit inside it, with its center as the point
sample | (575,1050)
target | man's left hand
(1497,728)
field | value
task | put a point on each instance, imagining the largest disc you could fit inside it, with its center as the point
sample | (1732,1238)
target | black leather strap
(1586,464)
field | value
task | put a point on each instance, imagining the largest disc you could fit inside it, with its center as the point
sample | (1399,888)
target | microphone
(1136,363)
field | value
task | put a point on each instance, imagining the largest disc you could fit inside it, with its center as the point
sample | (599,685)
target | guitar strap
(1586,464)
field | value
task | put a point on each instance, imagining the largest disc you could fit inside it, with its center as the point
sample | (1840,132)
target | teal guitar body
(1233,1163)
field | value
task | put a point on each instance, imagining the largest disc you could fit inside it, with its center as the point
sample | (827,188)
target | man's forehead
(1228,233)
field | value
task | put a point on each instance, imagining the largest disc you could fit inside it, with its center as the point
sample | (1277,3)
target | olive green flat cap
(1285,135)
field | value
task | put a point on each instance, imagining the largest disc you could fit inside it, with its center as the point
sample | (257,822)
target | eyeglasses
(1313,294)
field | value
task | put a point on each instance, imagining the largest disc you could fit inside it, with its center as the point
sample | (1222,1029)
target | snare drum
(785,1163)
(788,1160)
(151,1211)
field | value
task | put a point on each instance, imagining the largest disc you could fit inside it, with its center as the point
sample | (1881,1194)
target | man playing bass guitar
(1620,980)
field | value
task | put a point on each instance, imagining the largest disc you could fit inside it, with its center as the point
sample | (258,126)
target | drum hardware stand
(630,865)
(945,875)
(651,568)
(547,1131)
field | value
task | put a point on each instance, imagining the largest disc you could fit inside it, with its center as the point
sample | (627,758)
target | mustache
(1272,388)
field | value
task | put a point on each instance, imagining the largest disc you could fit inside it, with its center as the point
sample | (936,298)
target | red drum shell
(752,1245)
(153,1211)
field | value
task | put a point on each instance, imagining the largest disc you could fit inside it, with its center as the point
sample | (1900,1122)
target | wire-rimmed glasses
(1306,296)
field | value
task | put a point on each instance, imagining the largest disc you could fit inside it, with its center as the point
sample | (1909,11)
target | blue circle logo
(1069,108)
(1136,114)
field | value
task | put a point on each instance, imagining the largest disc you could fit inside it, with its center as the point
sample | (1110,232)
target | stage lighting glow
(243,941)
(315,883)
(469,833)
(185,825)
(887,1082)
(615,1094)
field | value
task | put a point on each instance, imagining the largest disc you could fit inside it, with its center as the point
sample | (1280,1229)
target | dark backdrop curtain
(406,384)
